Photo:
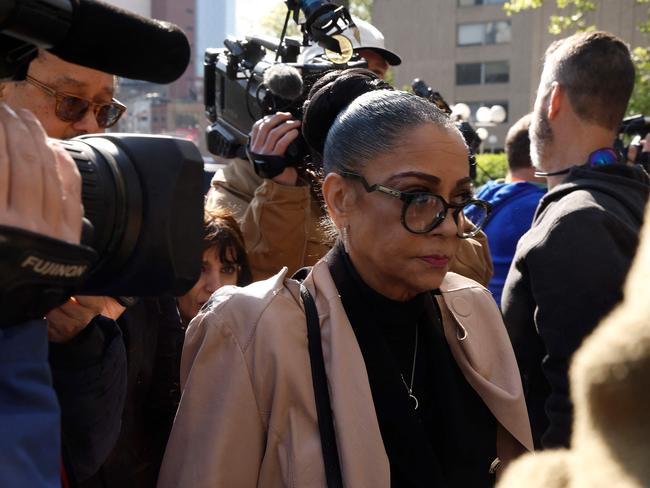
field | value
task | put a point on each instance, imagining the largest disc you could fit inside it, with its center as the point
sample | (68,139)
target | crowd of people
(367,319)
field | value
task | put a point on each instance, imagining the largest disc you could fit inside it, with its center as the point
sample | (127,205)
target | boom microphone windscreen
(283,81)
(122,43)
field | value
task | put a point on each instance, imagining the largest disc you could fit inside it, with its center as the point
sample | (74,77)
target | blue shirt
(30,432)
(513,208)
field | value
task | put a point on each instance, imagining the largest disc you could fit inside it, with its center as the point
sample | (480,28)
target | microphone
(109,39)
(283,81)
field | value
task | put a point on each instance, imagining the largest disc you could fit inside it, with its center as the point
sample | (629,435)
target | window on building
(498,32)
(482,73)
(472,3)
(498,72)
(468,74)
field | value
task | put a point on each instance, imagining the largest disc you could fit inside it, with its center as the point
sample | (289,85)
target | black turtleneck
(450,440)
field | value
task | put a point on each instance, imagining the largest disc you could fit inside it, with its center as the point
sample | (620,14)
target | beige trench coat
(247,416)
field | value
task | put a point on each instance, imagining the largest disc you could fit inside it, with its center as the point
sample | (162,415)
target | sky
(249,12)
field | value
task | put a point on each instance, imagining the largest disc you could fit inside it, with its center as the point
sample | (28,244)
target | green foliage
(490,167)
(573,19)
(271,24)
(640,100)
(361,9)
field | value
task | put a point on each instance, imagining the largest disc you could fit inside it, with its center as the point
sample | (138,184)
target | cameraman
(87,354)
(280,217)
(40,192)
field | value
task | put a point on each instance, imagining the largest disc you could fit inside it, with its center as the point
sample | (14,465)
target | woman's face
(392,260)
(214,275)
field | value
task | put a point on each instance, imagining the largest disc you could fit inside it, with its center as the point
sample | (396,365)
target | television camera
(142,195)
(244,81)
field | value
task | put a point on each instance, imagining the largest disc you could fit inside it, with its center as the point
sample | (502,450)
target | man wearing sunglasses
(68,99)
(87,355)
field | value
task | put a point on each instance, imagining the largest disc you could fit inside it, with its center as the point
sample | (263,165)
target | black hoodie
(567,274)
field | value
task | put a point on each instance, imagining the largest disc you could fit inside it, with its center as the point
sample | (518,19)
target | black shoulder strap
(321,393)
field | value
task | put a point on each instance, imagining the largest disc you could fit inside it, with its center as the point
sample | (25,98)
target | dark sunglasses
(422,211)
(70,108)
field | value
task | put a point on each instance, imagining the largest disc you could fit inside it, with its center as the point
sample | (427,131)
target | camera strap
(37,273)
(265,165)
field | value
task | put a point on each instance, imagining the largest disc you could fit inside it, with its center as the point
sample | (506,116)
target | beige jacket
(281,225)
(247,416)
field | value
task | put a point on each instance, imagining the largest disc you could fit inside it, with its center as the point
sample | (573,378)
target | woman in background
(224,262)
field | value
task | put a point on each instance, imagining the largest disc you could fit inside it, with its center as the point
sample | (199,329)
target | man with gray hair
(568,271)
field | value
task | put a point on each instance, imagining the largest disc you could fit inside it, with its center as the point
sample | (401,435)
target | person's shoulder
(456,288)
(453,282)
(579,210)
(464,297)
(242,310)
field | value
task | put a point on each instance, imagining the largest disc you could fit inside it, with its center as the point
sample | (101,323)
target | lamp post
(483,117)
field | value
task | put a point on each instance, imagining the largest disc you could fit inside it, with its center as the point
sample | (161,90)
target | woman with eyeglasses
(422,383)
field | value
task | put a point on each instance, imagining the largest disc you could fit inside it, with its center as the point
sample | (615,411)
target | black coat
(118,386)
(153,336)
(567,274)
(89,377)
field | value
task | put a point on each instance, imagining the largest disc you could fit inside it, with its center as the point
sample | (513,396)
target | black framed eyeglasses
(71,108)
(422,211)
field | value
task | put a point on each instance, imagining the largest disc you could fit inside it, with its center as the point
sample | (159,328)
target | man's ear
(339,198)
(557,99)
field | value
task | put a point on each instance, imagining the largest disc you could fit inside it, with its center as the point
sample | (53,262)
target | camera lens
(143,212)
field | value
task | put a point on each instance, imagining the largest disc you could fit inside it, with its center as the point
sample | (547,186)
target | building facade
(140,7)
(471,51)
(215,20)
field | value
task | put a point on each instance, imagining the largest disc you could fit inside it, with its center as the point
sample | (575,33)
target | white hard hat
(370,38)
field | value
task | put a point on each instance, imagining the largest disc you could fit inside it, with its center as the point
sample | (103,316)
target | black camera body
(238,90)
(235,94)
(143,213)
(637,127)
(142,195)
(472,139)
